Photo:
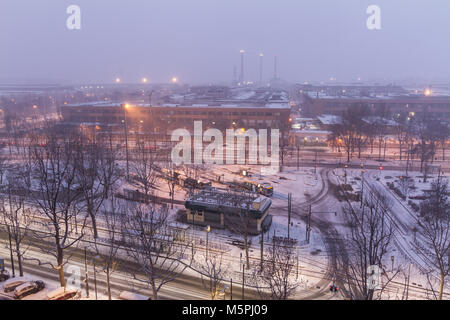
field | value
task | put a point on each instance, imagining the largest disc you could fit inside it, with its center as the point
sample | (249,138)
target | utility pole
(298,156)
(409,276)
(95,281)
(231,289)
(243,280)
(289,214)
(262,251)
(296,274)
(108,282)
(208,229)
(345,173)
(86,272)
(308,226)
(273,251)
(315,163)
(362,185)
(11,252)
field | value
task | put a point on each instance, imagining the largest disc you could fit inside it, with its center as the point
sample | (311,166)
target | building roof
(329,119)
(173,105)
(224,200)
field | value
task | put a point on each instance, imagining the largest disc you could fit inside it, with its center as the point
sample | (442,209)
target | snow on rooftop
(329,119)
(244,95)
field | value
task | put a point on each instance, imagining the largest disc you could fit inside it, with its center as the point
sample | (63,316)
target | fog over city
(233,150)
(199,41)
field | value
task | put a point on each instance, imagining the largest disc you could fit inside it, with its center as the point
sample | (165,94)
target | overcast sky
(199,40)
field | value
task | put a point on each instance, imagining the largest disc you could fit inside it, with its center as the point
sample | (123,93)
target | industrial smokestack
(261,68)
(275,67)
(241,77)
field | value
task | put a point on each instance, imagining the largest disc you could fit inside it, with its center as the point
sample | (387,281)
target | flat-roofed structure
(163,118)
(318,103)
(225,209)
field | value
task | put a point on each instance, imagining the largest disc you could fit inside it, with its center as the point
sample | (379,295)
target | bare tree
(443,134)
(144,168)
(87,167)
(278,278)
(424,131)
(380,123)
(16,217)
(171,176)
(57,194)
(213,270)
(405,184)
(158,256)
(434,224)
(112,216)
(241,222)
(3,167)
(368,244)
(351,132)
(345,136)
(108,172)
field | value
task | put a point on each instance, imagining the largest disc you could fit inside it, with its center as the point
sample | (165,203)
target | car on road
(4,297)
(266,189)
(126,295)
(196,184)
(12,284)
(4,275)
(28,288)
(64,294)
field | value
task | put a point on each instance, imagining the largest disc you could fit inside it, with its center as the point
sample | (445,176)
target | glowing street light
(125,108)
(208,230)
(174,80)
(428,92)
(35,107)
(118,80)
(144,80)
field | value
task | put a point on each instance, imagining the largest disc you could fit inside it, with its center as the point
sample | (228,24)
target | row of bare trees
(418,136)
(434,227)
(363,273)
(62,192)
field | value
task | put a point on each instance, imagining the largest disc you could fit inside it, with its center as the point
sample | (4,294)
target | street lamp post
(86,280)
(11,252)
(124,107)
(95,281)
(243,281)
(231,289)
(225,291)
(409,276)
(362,183)
(208,229)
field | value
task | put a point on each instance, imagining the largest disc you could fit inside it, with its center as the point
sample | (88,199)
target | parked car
(197,184)
(5,297)
(13,283)
(266,189)
(64,294)
(4,275)
(28,288)
(126,295)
